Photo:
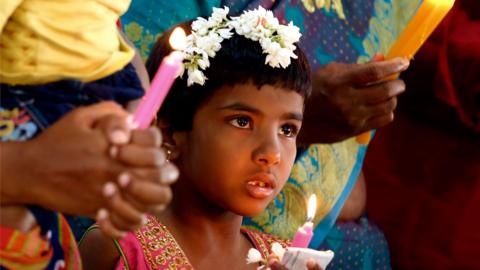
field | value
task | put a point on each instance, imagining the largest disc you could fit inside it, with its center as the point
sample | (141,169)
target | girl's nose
(268,152)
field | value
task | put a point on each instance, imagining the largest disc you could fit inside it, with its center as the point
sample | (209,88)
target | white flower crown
(258,25)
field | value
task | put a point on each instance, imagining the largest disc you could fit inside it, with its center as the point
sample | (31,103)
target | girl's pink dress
(152,247)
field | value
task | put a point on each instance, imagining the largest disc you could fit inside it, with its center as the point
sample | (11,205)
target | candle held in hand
(162,81)
(426,19)
(304,234)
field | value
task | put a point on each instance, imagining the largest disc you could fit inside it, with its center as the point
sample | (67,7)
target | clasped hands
(92,162)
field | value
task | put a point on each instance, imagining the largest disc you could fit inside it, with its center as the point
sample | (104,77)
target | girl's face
(242,146)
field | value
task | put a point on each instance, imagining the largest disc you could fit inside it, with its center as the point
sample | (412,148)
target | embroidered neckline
(160,248)
(162,251)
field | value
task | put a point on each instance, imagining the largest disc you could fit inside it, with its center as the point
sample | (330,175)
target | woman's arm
(354,207)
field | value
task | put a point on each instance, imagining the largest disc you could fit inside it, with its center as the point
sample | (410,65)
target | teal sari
(353,32)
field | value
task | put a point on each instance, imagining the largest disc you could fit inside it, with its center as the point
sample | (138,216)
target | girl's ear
(171,141)
(167,131)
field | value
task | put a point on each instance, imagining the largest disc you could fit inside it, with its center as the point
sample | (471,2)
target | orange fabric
(23,250)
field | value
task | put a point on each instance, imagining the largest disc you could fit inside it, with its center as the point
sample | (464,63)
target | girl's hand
(274,264)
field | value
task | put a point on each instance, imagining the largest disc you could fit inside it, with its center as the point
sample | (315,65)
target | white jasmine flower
(203,63)
(289,33)
(272,22)
(225,33)
(273,53)
(195,76)
(200,26)
(219,14)
(279,58)
(254,256)
(260,25)
(284,57)
(210,43)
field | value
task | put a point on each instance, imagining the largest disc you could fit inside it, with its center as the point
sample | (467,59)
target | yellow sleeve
(6,10)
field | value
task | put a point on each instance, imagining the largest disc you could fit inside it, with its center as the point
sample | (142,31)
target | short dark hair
(239,61)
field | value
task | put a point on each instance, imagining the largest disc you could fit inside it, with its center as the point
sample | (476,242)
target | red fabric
(423,187)
(458,70)
(423,171)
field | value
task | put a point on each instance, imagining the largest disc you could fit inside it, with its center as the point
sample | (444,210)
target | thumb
(116,127)
(90,115)
(109,117)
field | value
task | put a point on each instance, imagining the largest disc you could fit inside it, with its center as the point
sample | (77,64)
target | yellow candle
(428,17)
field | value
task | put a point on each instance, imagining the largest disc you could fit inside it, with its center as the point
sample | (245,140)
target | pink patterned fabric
(153,247)
(132,253)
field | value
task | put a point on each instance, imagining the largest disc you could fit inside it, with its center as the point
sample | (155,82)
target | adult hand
(65,167)
(349,99)
(144,186)
(69,166)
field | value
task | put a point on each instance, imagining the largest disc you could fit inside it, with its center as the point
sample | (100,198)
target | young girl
(231,126)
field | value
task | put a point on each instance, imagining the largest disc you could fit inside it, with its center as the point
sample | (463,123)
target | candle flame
(312,207)
(178,39)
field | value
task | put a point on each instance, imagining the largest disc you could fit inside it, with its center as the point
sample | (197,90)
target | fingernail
(131,123)
(113,151)
(160,158)
(102,214)
(109,189)
(124,179)
(169,174)
(122,235)
(405,63)
(160,208)
(144,220)
(119,137)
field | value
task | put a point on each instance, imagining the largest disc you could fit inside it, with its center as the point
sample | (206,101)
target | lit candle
(426,19)
(162,81)
(304,234)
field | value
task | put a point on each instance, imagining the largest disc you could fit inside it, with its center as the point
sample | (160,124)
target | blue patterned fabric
(357,245)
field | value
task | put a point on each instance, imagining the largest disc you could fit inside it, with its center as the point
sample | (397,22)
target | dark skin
(74,156)
(356,202)
(349,99)
(214,189)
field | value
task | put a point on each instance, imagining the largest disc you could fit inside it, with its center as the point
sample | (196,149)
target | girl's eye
(241,122)
(288,130)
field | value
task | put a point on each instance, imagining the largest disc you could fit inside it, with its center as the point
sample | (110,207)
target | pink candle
(162,81)
(304,234)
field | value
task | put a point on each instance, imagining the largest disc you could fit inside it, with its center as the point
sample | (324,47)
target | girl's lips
(261,186)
